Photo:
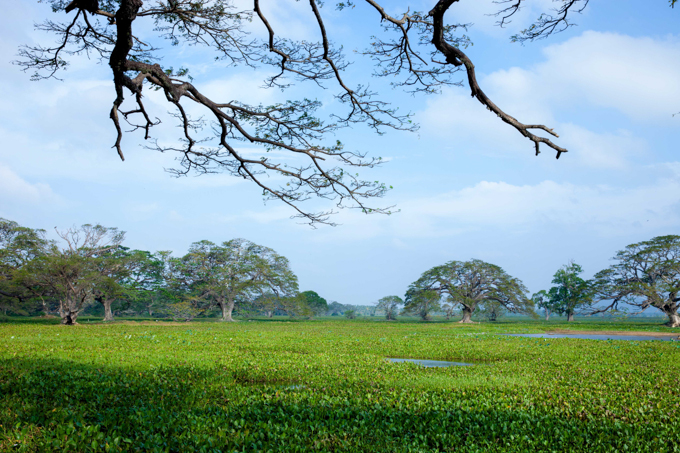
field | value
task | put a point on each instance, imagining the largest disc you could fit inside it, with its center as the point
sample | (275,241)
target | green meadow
(324,385)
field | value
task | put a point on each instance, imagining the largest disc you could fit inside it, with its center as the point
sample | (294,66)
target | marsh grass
(326,386)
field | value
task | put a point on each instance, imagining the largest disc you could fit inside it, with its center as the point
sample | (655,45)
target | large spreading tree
(471,284)
(645,274)
(19,245)
(72,273)
(418,51)
(221,275)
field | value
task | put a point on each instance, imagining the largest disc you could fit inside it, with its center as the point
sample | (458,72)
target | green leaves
(273,386)
(231,273)
(644,274)
(280,387)
(470,283)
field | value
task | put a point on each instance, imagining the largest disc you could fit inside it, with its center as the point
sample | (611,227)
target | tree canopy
(315,302)
(542,299)
(571,293)
(422,302)
(645,274)
(390,306)
(235,270)
(72,273)
(471,283)
(19,245)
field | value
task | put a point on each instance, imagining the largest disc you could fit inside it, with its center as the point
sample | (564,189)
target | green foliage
(545,301)
(18,246)
(71,273)
(350,314)
(315,302)
(492,311)
(182,311)
(645,274)
(421,303)
(390,306)
(471,283)
(222,275)
(325,386)
(296,307)
(572,292)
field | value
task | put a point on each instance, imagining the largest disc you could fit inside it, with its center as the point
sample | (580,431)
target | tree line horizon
(89,266)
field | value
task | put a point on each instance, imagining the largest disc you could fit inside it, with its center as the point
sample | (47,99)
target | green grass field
(324,385)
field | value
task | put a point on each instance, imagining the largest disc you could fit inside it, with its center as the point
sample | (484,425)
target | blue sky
(468,186)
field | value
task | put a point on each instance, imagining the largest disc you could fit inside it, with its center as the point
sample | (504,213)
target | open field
(325,386)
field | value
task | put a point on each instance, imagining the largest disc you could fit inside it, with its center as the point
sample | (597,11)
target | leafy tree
(546,301)
(390,305)
(220,275)
(420,52)
(112,266)
(127,275)
(145,281)
(421,302)
(315,302)
(571,293)
(335,308)
(645,274)
(350,314)
(72,273)
(267,303)
(449,307)
(296,306)
(471,283)
(492,310)
(182,311)
(18,246)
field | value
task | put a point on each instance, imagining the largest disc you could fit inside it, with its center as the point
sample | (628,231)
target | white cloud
(636,76)
(594,70)
(605,150)
(500,206)
(14,189)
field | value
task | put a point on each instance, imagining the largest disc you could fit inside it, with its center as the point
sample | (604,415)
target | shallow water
(430,363)
(591,337)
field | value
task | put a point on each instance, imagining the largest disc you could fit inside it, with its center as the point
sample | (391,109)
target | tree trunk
(227,307)
(673,320)
(150,312)
(570,316)
(108,314)
(547,315)
(270,314)
(467,315)
(68,317)
(70,307)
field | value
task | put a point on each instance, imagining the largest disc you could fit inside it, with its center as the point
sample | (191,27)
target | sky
(466,185)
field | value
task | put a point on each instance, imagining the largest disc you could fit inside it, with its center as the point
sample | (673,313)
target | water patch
(430,363)
(592,337)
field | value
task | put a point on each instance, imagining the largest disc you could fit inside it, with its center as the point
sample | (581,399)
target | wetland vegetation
(324,385)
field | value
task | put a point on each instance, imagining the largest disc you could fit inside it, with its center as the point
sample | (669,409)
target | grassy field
(324,385)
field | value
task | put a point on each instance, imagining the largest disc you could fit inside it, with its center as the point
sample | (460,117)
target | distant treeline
(88,269)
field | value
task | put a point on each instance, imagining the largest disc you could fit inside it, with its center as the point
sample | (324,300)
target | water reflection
(592,337)
(430,363)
